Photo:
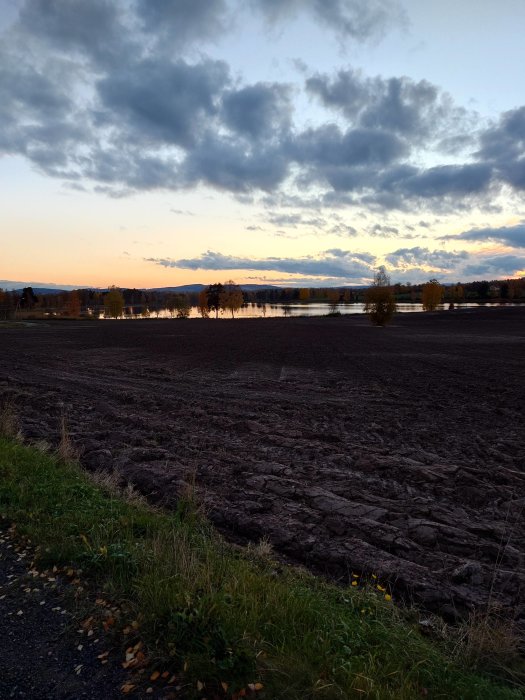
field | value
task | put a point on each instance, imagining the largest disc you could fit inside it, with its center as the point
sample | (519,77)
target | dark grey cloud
(329,147)
(343,230)
(181,21)
(161,101)
(503,144)
(417,257)
(356,19)
(419,110)
(93,29)
(383,231)
(496,266)
(229,164)
(258,111)
(107,92)
(445,180)
(294,220)
(510,235)
(331,263)
(38,115)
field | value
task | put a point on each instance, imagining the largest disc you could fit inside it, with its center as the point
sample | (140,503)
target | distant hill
(181,289)
(189,288)
(39,287)
(45,290)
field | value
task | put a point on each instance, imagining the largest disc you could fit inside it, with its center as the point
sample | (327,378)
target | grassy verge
(222,616)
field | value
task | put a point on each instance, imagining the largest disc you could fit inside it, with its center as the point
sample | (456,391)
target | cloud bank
(115,95)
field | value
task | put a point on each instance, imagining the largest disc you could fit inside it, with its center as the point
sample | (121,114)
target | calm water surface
(295,309)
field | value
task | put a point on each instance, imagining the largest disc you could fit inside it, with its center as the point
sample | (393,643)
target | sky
(152,143)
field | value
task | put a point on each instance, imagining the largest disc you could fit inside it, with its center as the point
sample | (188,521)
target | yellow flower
(380,588)
(354,583)
(388,597)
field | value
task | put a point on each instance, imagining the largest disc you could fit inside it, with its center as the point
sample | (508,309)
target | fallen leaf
(154,675)
(108,623)
(127,688)
(165,674)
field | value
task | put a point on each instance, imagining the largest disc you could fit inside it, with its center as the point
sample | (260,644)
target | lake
(295,309)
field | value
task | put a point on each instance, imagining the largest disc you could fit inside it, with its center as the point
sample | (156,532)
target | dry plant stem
(112,483)
(9,421)
(66,450)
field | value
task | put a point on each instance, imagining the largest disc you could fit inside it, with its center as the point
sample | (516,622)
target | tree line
(228,298)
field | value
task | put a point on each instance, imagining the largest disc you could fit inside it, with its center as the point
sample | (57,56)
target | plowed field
(397,451)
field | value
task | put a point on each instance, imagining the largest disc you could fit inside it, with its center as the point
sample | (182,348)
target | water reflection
(259,310)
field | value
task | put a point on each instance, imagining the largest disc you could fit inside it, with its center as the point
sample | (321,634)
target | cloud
(330,263)
(344,230)
(438,260)
(503,144)
(328,147)
(229,164)
(383,231)
(123,95)
(92,29)
(356,19)
(164,102)
(294,220)
(446,180)
(419,110)
(497,266)
(181,21)
(258,111)
(510,235)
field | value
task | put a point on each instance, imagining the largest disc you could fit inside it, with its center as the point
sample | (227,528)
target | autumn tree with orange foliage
(231,297)
(202,304)
(73,306)
(380,303)
(432,295)
(114,303)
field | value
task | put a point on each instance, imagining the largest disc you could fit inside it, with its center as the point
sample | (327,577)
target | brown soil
(397,451)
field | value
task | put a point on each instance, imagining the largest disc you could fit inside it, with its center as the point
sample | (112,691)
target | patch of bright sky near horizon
(156,237)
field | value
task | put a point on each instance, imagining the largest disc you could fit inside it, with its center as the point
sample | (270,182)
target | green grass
(223,614)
